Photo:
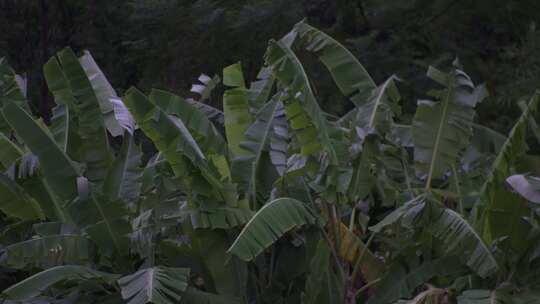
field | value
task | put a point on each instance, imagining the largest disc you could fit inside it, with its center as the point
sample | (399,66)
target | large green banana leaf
(104,92)
(157,285)
(215,115)
(47,251)
(271,222)
(260,90)
(15,202)
(305,116)
(279,141)
(171,137)
(208,137)
(458,237)
(9,152)
(235,108)
(59,172)
(495,201)
(124,179)
(103,219)
(378,110)
(67,77)
(258,137)
(349,74)
(38,283)
(59,127)
(443,129)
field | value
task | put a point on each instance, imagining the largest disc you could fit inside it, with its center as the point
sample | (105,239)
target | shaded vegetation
(362,163)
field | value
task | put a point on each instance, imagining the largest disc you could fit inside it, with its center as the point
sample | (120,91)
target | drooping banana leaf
(104,92)
(350,76)
(258,137)
(16,202)
(48,251)
(170,135)
(68,74)
(38,283)
(271,222)
(124,179)
(460,238)
(443,129)
(305,116)
(158,285)
(378,110)
(193,118)
(235,108)
(457,236)
(411,209)
(59,172)
(400,283)
(9,152)
(493,201)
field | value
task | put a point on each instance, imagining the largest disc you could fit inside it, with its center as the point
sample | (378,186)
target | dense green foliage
(270,191)
(270,200)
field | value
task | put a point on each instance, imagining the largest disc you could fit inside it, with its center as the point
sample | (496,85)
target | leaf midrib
(442,123)
(253,185)
(378,101)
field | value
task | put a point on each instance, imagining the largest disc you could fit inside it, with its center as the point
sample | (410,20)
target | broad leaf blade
(16,202)
(39,282)
(349,74)
(94,149)
(124,178)
(56,167)
(307,118)
(269,223)
(104,93)
(235,108)
(442,130)
(48,251)
(158,285)
(208,137)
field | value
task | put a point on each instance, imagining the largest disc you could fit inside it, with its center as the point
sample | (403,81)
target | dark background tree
(168,43)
